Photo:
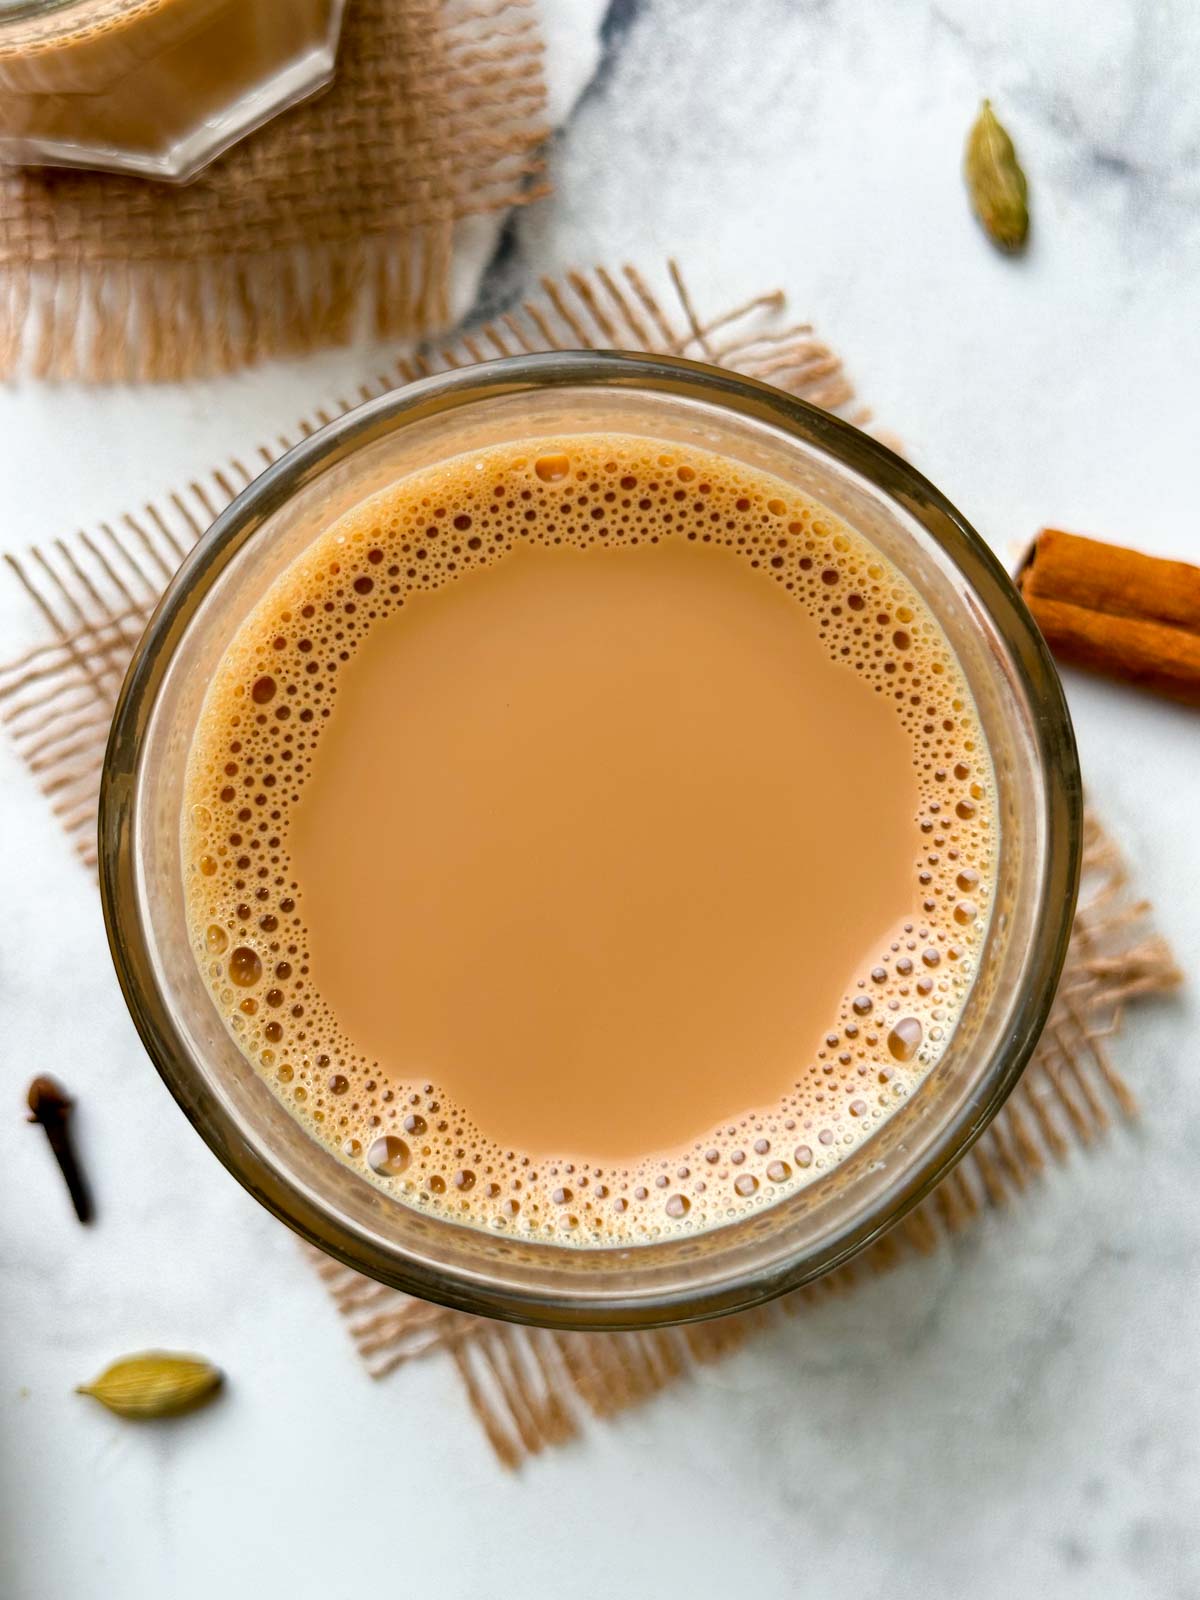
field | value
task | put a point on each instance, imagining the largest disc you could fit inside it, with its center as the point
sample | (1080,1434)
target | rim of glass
(1050,730)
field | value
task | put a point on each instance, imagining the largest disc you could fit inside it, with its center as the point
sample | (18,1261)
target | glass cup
(731,1267)
(157,88)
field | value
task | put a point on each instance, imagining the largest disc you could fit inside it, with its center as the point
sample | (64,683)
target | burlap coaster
(338,216)
(530,1388)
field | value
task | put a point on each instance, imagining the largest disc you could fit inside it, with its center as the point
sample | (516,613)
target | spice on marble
(50,1105)
(1116,611)
(156,1383)
(996,182)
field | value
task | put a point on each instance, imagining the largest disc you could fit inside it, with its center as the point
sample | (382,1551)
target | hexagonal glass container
(156,88)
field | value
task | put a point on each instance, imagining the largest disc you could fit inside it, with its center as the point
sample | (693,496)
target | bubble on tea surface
(388,1156)
(552,468)
(905,1038)
(264,719)
(245,967)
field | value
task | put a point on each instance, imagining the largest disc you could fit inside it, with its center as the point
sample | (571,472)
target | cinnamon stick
(1115,611)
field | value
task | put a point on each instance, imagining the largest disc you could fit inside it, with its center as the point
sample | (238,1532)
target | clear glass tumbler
(1020,702)
(157,88)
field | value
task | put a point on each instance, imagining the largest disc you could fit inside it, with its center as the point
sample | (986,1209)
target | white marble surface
(1020,1414)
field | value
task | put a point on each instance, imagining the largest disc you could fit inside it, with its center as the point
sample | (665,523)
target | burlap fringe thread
(105,279)
(96,590)
(530,1388)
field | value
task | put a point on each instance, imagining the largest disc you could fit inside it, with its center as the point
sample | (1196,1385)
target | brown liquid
(134,75)
(590,875)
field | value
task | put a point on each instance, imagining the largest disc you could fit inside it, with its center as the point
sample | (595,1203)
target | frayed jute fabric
(530,1388)
(338,218)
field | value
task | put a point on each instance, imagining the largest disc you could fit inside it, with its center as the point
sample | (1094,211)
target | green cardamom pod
(154,1384)
(997,186)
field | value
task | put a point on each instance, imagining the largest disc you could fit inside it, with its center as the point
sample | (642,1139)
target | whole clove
(51,1106)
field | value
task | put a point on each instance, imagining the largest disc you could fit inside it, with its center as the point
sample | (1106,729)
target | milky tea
(590,839)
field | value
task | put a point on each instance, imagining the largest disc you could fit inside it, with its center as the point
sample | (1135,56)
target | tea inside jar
(597,814)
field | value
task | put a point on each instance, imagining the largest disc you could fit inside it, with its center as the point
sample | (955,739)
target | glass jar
(157,88)
(1021,707)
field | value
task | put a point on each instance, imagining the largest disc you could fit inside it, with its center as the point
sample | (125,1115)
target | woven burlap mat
(338,217)
(530,1388)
